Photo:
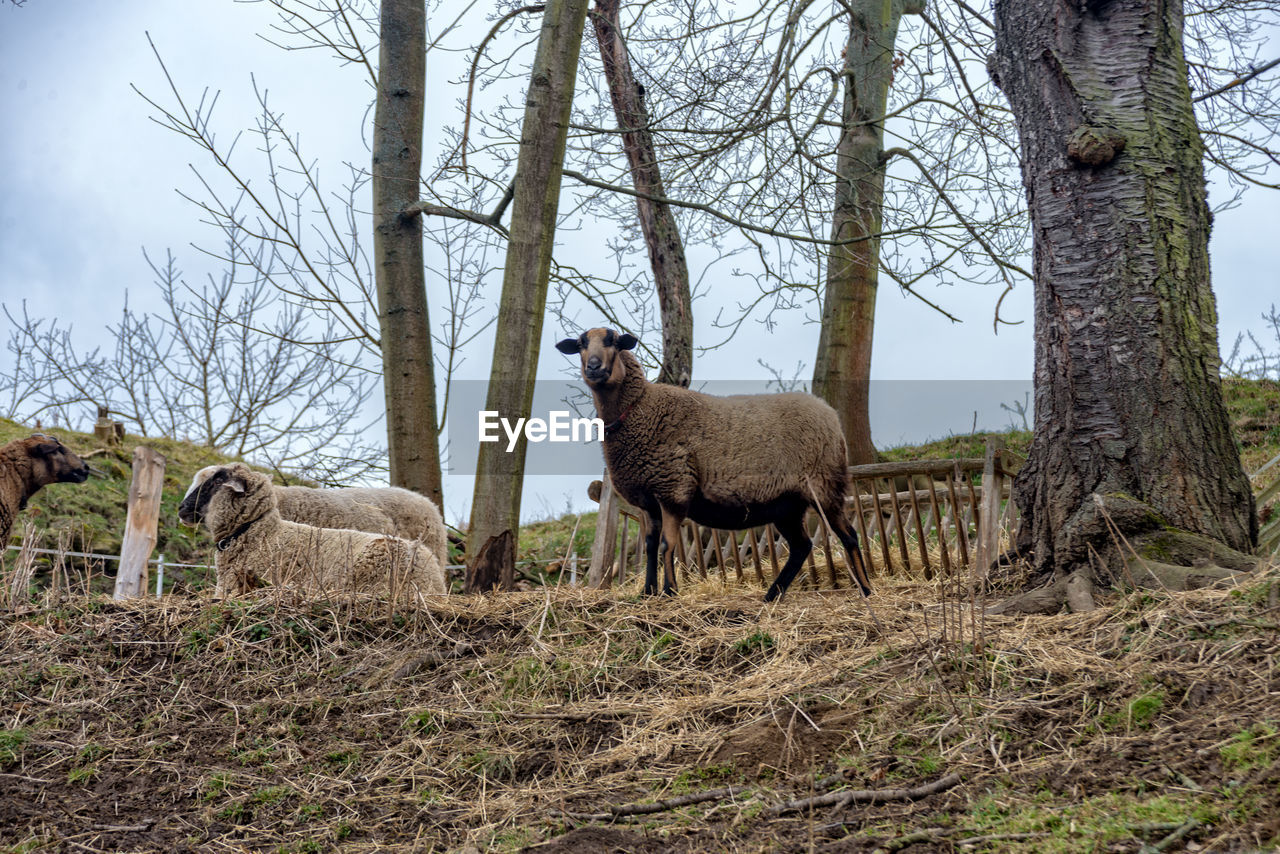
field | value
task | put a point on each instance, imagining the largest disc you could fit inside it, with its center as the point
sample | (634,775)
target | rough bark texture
(1127,394)
(657,219)
(408,371)
(495,506)
(842,368)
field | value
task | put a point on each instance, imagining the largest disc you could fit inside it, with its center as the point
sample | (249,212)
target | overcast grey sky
(88,181)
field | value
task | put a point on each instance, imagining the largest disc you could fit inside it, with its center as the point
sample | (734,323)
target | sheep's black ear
(627,341)
(569,346)
(45,449)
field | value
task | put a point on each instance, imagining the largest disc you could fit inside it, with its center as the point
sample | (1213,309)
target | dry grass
(492,721)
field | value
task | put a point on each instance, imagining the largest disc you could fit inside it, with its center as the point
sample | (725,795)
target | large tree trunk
(495,506)
(657,220)
(408,371)
(842,368)
(1128,402)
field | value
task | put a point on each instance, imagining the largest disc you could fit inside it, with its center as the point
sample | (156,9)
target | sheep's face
(599,350)
(213,485)
(53,462)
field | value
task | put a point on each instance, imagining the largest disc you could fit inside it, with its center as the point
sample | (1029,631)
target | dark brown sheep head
(224,481)
(599,350)
(53,462)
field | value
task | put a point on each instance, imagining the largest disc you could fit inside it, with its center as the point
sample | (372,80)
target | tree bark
(657,219)
(1128,401)
(842,368)
(495,506)
(408,369)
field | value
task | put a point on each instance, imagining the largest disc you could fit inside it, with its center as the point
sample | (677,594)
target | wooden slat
(697,550)
(884,538)
(962,530)
(622,552)
(925,467)
(921,540)
(772,533)
(860,524)
(826,548)
(898,526)
(599,572)
(943,546)
(989,512)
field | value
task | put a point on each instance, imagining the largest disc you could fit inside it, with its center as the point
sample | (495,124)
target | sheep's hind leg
(670,537)
(799,545)
(849,539)
(651,534)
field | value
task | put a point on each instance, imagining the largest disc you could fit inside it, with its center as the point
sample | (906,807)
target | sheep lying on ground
(256,546)
(26,465)
(725,462)
(377,510)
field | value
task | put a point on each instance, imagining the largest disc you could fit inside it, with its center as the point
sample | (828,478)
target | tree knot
(1095,146)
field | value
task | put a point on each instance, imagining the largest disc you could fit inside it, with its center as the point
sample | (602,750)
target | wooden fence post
(599,574)
(141,522)
(989,512)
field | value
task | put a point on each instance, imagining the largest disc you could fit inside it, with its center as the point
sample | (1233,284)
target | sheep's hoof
(772,593)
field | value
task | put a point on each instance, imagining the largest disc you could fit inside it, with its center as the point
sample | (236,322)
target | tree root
(1154,575)
(1118,540)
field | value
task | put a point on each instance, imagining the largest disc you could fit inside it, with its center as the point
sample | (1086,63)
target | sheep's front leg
(652,530)
(670,537)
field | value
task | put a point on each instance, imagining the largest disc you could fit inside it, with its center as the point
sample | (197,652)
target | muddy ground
(563,720)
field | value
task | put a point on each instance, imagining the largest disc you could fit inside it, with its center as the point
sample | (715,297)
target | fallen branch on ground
(622,810)
(866,796)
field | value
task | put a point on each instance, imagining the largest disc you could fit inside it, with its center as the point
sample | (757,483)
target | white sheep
(255,545)
(27,465)
(375,509)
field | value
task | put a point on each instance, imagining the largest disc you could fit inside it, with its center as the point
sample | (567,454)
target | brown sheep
(26,465)
(726,462)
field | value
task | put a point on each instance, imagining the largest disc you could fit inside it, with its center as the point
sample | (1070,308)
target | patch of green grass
(1138,713)
(491,764)
(756,643)
(270,795)
(1112,821)
(311,811)
(11,743)
(82,775)
(1256,747)
(215,786)
(343,760)
(658,649)
(702,777)
(424,723)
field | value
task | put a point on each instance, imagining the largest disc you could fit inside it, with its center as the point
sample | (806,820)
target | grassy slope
(263,725)
(90,517)
(93,514)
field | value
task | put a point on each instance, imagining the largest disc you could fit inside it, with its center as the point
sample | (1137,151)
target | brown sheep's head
(214,483)
(53,462)
(599,350)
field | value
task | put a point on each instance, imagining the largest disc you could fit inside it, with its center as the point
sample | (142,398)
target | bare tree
(1131,432)
(495,506)
(408,369)
(657,218)
(230,365)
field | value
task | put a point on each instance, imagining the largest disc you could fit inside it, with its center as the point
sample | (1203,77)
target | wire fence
(159,561)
